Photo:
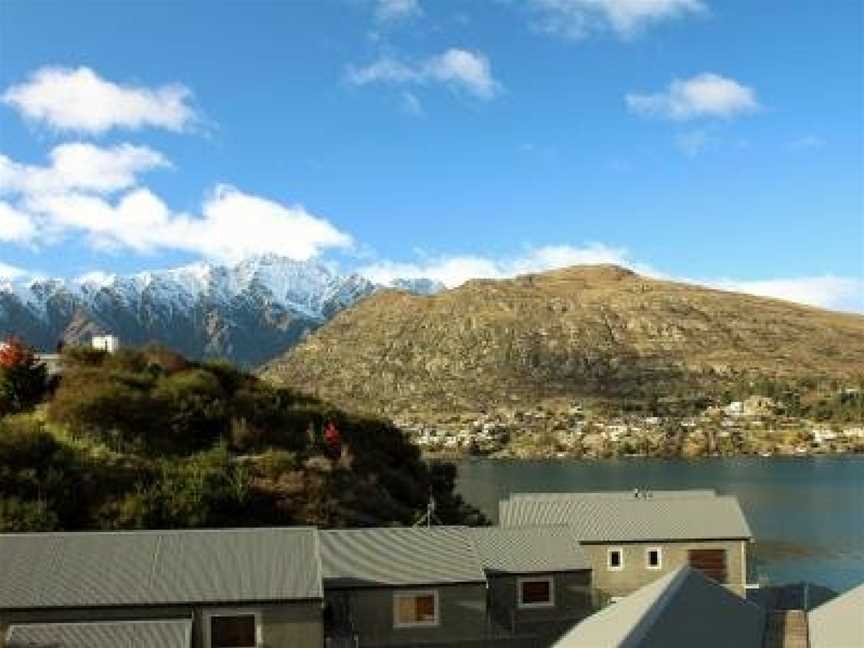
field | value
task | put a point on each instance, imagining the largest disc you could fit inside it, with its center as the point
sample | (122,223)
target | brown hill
(574,332)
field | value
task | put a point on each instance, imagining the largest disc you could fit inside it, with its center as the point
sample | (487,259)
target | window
(233,629)
(615,559)
(653,558)
(411,609)
(536,592)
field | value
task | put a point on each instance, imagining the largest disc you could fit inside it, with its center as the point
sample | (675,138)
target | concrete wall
(462,616)
(283,625)
(635,574)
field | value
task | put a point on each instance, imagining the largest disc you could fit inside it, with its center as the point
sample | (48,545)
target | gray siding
(635,574)
(572,594)
(462,616)
(284,625)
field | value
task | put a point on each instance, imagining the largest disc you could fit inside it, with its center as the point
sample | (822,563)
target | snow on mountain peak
(310,288)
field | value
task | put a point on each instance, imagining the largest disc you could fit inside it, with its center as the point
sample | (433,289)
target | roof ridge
(655,610)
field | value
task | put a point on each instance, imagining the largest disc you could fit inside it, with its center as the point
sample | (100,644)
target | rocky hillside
(581,331)
(248,313)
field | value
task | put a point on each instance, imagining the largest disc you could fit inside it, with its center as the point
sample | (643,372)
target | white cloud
(15,226)
(232,225)
(79,100)
(11,272)
(393,10)
(81,166)
(828,291)
(577,19)
(455,68)
(704,95)
(94,192)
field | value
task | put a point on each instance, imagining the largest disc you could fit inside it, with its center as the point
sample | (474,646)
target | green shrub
(26,515)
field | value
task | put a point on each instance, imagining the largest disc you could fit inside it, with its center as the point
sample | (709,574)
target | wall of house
(573,601)
(286,624)
(283,624)
(635,574)
(462,616)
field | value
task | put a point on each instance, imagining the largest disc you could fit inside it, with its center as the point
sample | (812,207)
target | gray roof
(527,550)
(838,623)
(679,610)
(626,494)
(623,519)
(399,556)
(165,633)
(92,569)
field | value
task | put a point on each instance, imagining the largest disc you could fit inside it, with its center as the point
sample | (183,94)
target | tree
(23,378)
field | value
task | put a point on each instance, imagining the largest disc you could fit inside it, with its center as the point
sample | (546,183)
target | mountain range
(593,331)
(248,312)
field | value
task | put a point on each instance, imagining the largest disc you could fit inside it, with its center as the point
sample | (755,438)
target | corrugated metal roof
(164,633)
(838,623)
(620,519)
(399,556)
(649,494)
(679,610)
(526,550)
(158,567)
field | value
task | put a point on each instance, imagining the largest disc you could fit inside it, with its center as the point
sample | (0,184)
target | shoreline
(463,457)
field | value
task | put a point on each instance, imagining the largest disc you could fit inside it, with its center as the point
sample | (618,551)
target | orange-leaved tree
(23,378)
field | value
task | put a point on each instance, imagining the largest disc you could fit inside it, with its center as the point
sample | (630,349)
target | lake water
(807,513)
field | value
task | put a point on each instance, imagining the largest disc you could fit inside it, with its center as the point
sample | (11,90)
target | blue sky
(706,140)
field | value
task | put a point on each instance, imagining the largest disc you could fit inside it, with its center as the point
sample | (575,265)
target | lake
(807,513)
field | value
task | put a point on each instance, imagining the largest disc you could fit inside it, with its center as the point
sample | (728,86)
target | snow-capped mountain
(248,312)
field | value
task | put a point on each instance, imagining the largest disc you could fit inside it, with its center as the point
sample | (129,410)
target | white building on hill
(109,343)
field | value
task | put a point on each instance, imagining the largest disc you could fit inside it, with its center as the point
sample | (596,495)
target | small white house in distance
(109,343)
(823,433)
(735,408)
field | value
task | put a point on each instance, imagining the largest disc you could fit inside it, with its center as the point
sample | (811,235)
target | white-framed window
(615,558)
(232,628)
(415,609)
(536,591)
(654,558)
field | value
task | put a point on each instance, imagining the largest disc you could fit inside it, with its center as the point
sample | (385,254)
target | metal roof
(838,623)
(92,569)
(679,610)
(399,556)
(627,494)
(526,550)
(165,633)
(631,519)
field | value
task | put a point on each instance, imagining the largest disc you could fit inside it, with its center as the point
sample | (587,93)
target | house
(735,408)
(838,623)
(823,433)
(682,609)
(854,432)
(539,580)
(403,587)
(109,343)
(238,588)
(632,538)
